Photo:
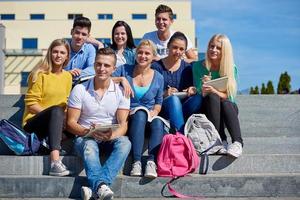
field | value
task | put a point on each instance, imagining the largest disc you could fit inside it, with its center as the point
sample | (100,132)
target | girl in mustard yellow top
(49,87)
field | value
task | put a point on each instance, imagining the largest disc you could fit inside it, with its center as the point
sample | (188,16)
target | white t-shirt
(94,109)
(162,49)
(120,60)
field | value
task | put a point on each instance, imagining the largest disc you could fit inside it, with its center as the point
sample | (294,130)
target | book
(180,95)
(218,83)
(102,128)
(166,122)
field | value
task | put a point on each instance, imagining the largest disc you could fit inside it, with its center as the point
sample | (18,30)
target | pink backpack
(176,158)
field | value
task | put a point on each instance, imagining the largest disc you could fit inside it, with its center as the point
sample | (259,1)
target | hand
(102,136)
(127,88)
(208,89)
(153,113)
(190,91)
(206,78)
(75,72)
(95,42)
(170,90)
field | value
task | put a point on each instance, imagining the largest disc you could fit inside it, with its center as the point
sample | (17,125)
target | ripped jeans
(89,150)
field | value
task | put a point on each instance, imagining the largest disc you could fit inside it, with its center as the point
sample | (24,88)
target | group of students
(126,77)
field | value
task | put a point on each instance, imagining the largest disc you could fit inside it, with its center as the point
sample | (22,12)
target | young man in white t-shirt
(100,101)
(161,37)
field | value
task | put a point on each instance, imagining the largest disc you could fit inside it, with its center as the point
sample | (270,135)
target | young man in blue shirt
(82,55)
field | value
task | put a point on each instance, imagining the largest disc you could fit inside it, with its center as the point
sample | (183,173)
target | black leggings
(221,112)
(48,123)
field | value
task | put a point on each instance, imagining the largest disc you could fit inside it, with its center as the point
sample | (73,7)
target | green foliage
(251,90)
(270,88)
(263,89)
(284,84)
(256,90)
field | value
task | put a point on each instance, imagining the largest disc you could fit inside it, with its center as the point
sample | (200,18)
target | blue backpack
(20,142)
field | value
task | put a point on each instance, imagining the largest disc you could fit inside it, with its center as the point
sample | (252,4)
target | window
(104,40)
(29,43)
(7,16)
(74,15)
(105,16)
(37,16)
(137,41)
(24,79)
(139,16)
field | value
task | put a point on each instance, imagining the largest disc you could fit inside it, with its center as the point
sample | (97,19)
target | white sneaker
(136,169)
(223,150)
(86,193)
(235,149)
(105,193)
(150,170)
(58,169)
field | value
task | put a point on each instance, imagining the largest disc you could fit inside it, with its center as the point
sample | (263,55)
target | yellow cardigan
(48,90)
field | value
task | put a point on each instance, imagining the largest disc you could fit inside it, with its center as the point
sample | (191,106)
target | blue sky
(265,35)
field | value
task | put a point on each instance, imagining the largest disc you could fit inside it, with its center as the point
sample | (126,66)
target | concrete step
(248,163)
(271,145)
(164,198)
(239,185)
(13,114)
(11,101)
(260,115)
(252,145)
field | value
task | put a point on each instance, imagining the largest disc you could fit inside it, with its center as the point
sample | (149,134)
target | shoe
(105,193)
(235,149)
(223,150)
(86,193)
(58,169)
(136,169)
(150,170)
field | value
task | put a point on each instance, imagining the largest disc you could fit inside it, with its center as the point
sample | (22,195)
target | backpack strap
(203,163)
(175,193)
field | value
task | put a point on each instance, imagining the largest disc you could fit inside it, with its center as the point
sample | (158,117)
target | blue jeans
(89,150)
(137,130)
(178,111)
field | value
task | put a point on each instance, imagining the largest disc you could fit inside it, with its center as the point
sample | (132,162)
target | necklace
(141,78)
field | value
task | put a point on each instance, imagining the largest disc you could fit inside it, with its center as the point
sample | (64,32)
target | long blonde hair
(47,64)
(226,63)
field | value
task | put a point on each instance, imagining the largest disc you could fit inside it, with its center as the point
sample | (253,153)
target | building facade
(31,25)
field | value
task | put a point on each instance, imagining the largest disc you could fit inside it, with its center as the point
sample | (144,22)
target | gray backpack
(203,134)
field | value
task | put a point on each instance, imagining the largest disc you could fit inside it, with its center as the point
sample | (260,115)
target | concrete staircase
(268,169)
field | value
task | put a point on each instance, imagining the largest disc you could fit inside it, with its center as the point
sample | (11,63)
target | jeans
(48,123)
(137,129)
(178,111)
(89,150)
(220,113)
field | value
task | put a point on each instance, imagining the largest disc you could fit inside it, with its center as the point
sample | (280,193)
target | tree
(270,88)
(251,90)
(263,89)
(256,90)
(284,84)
